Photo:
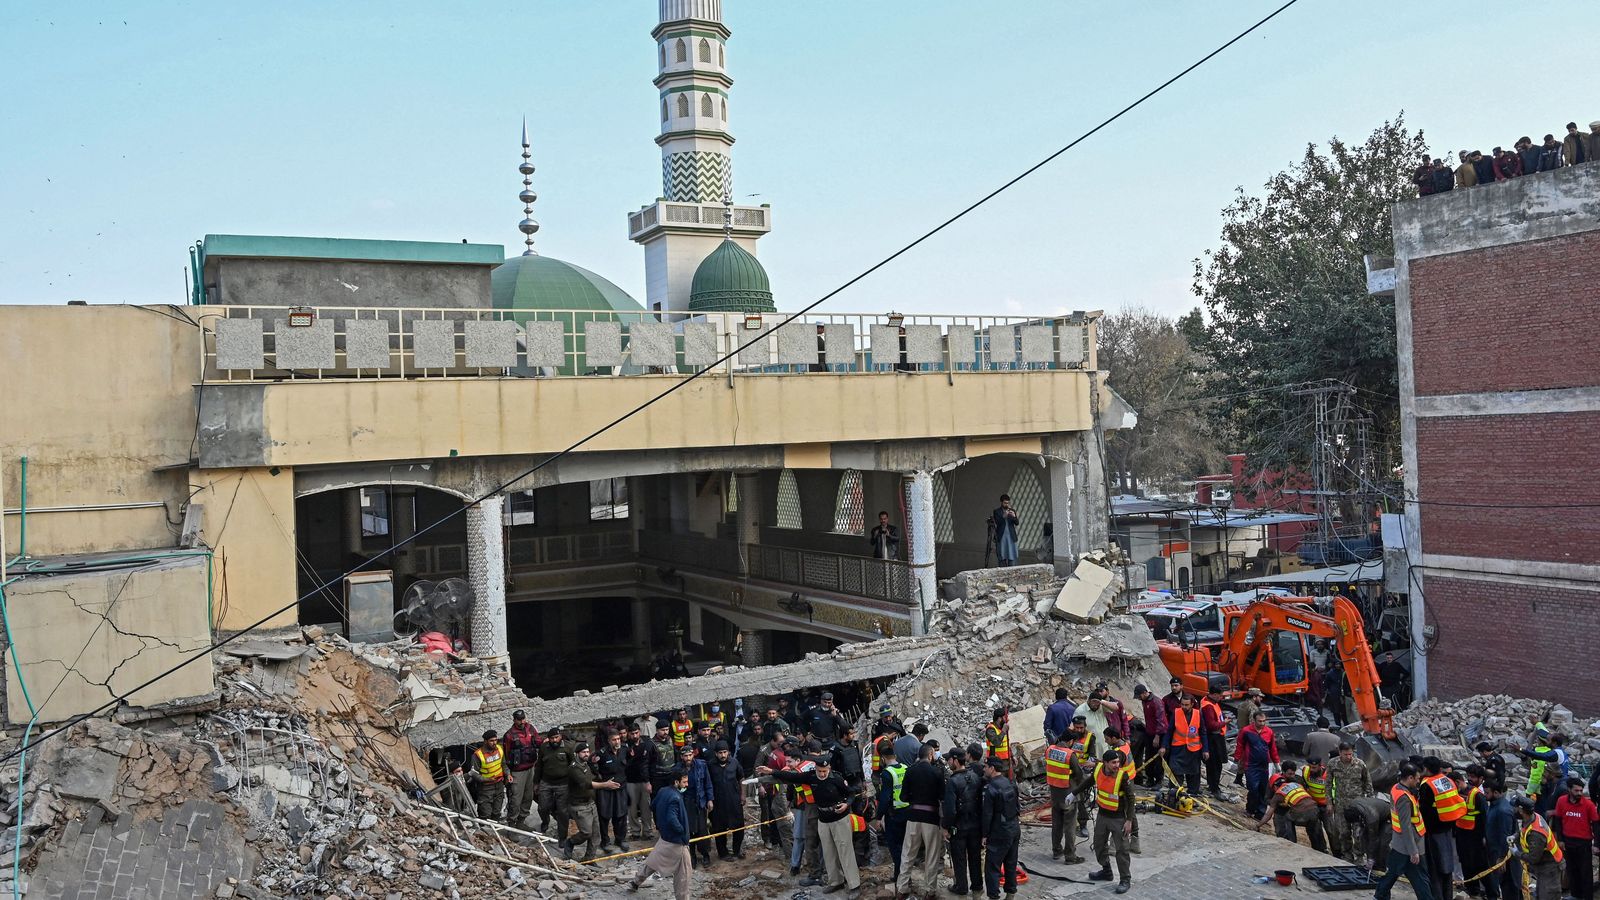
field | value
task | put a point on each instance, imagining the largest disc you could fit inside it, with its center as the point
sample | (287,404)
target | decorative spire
(727,206)
(527,226)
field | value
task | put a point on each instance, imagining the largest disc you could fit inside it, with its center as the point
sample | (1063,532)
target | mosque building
(353,433)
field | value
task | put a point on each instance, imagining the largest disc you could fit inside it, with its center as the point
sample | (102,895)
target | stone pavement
(1199,858)
(191,852)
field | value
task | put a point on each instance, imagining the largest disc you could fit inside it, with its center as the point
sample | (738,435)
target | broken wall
(84,638)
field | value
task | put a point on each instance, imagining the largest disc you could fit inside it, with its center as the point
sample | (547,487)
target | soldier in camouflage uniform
(1348,780)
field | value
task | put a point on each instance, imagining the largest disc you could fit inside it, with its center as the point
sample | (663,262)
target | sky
(132,129)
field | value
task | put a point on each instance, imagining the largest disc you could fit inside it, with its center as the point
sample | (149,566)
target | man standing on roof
(1005,532)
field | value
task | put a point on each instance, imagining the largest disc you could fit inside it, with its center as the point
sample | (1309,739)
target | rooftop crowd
(1435,176)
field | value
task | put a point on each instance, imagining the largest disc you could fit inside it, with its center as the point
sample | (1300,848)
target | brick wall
(1519,317)
(1502,636)
(1502,462)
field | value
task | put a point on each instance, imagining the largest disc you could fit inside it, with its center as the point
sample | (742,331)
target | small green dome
(539,282)
(730,280)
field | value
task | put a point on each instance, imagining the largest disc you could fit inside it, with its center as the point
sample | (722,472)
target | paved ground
(1200,858)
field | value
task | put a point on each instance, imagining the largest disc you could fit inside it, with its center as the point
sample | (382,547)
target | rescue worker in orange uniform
(1067,776)
(1186,746)
(682,729)
(1113,794)
(1538,849)
(1314,777)
(1291,805)
(1441,805)
(1406,843)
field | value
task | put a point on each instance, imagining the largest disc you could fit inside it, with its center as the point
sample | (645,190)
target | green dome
(731,280)
(539,282)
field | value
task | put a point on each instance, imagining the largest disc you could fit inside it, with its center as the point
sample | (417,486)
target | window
(722,58)
(705,50)
(374,512)
(683,106)
(724,109)
(705,106)
(1027,497)
(788,501)
(944,523)
(849,511)
(680,52)
(519,508)
(608,499)
(730,498)
(663,109)
(663,56)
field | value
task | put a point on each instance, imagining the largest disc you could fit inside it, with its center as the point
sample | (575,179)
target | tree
(1150,364)
(1286,294)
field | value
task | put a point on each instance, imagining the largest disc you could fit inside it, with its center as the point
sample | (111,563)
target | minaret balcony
(703,218)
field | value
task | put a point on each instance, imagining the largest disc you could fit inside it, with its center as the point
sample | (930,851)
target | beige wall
(157,619)
(349,421)
(98,398)
(249,524)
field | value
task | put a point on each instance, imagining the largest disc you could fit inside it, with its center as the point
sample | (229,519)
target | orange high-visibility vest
(1205,702)
(1080,750)
(1537,825)
(1128,768)
(857,823)
(1395,793)
(999,742)
(680,733)
(1186,729)
(1447,800)
(1291,794)
(802,792)
(877,760)
(1469,818)
(1316,787)
(1108,788)
(1058,767)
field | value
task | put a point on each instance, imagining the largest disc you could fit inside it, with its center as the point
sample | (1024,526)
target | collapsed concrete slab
(850,662)
(1087,595)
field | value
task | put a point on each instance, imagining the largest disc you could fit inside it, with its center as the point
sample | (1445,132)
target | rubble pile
(1452,728)
(1011,644)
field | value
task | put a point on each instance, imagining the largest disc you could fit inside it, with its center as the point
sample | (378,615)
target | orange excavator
(1262,644)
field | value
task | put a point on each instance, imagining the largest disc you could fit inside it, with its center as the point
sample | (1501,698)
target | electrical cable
(730,355)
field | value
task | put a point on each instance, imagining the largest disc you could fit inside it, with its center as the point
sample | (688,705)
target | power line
(113,702)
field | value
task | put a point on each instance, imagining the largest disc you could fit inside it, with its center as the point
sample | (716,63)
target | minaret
(527,226)
(686,223)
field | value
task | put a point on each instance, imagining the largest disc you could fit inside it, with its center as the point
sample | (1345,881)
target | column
(402,525)
(642,651)
(1064,528)
(756,650)
(920,538)
(486,569)
(352,521)
(748,516)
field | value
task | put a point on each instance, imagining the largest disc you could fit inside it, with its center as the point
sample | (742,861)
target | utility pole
(1322,452)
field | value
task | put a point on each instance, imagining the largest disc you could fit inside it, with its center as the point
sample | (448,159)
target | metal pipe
(88,507)
(22,528)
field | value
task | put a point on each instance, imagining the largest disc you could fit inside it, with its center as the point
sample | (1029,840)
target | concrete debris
(1087,595)
(1003,652)
(1451,729)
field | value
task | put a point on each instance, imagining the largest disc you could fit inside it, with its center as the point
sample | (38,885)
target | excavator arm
(1241,652)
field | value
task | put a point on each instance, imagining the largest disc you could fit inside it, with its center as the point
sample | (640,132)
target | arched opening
(705,106)
(663,110)
(722,57)
(705,50)
(1027,497)
(338,530)
(849,509)
(724,109)
(788,502)
(683,106)
(663,49)
(680,52)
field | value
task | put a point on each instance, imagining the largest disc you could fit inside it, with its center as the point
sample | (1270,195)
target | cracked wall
(83,638)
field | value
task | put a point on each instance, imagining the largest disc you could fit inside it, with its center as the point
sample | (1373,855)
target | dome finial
(527,226)
(727,205)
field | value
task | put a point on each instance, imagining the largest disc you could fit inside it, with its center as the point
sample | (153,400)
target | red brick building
(1497,302)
